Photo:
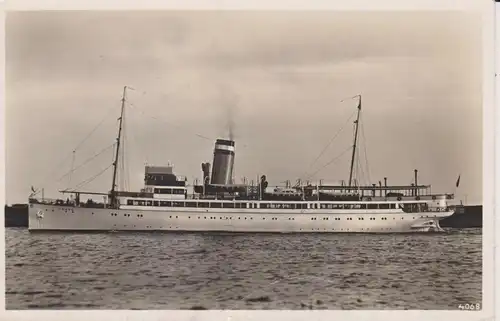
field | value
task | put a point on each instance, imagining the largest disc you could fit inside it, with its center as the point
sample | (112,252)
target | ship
(465,216)
(16,215)
(218,204)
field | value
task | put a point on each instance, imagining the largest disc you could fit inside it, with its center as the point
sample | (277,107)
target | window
(228,205)
(203,204)
(156,203)
(215,205)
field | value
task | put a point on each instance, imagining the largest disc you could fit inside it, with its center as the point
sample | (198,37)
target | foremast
(356,122)
(112,193)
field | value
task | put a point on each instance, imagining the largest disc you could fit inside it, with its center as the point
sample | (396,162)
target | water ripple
(242,271)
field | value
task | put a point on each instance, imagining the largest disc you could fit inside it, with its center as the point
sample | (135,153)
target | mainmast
(356,122)
(118,139)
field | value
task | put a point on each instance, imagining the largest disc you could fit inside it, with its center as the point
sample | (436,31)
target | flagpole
(457,184)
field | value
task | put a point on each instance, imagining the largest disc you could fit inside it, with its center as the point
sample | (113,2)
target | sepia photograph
(244,160)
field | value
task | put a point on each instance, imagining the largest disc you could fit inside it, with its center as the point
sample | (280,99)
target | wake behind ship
(218,204)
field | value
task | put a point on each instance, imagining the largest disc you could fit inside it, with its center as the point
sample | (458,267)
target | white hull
(67,218)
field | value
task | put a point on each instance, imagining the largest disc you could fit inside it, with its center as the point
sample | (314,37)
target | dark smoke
(229,102)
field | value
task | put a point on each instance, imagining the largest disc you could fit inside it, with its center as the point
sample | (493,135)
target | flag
(458,181)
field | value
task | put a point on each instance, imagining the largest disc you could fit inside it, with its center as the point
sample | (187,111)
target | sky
(282,81)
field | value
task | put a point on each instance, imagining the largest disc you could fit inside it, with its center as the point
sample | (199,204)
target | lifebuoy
(368,198)
(39,214)
(399,198)
(433,197)
(417,198)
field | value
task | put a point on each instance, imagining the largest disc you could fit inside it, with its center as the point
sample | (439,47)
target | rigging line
(364,147)
(331,141)
(167,94)
(360,174)
(72,165)
(330,162)
(168,123)
(58,167)
(126,165)
(91,179)
(95,128)
(88,160)
(361,170)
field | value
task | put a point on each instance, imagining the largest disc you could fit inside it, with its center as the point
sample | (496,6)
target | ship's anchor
(39,214)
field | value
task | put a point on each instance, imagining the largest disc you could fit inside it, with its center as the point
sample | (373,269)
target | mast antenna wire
(364,148)
(85,182)
(330,162)
(85,162)
(72,154)
(164,121)
(334,137)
